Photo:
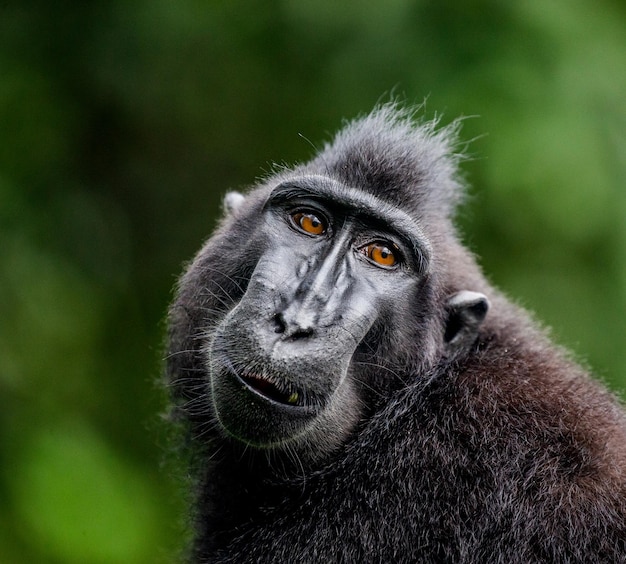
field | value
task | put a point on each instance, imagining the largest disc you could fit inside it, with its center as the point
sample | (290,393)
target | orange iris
(381,254)
(309,223)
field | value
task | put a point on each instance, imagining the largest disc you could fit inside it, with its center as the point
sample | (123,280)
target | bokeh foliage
(123,123)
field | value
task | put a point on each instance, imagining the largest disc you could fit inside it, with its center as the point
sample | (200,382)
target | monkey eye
(309,223)
(381,254)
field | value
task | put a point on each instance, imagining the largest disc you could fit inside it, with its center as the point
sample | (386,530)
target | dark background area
(122,124)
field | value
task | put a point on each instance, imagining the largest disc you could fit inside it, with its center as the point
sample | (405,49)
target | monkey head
(315,288)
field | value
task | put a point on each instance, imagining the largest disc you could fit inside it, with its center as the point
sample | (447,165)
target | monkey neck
(244,487)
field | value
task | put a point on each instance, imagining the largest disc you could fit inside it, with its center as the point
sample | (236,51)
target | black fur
(504,451)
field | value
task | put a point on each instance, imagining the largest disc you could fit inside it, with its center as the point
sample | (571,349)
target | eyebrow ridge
(318,186)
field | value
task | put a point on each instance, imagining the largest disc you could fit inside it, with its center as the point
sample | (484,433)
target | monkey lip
(278,392)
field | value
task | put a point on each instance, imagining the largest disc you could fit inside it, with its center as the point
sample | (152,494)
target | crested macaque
(354,390)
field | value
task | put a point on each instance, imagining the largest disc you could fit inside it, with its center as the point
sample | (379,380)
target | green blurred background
(123,123)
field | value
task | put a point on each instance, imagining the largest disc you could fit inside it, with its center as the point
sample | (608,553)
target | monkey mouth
(269,388)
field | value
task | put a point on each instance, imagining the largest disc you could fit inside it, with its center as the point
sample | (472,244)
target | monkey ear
(466,312)
(232,201)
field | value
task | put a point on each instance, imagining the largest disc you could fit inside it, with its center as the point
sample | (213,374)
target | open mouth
(280,393)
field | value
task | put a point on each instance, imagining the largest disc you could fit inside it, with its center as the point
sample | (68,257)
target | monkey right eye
(309,223)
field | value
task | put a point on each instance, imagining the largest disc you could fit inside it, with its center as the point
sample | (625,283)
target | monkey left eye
(309,223)
(381,254)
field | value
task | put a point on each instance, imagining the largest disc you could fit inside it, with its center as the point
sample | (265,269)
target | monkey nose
(294,325)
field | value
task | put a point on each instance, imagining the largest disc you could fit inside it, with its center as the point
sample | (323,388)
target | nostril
(291,330)
(279,324)
(301,334)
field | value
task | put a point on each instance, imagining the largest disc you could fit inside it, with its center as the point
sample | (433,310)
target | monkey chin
(261,410)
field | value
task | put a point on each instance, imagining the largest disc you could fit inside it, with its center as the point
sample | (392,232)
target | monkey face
(332,263)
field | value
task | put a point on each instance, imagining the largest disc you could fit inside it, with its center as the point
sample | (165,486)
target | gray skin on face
(333,262)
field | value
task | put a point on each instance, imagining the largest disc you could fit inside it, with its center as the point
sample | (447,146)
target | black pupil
(315,222)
